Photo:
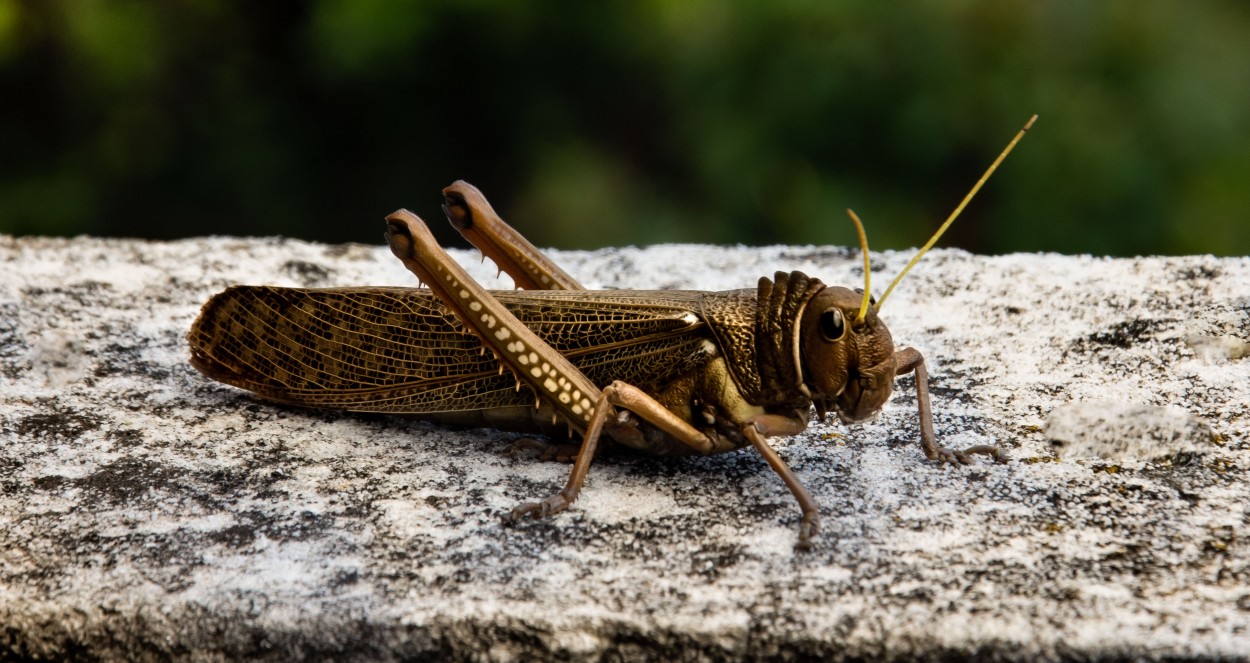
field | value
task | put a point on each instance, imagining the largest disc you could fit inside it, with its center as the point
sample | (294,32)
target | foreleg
(910,359)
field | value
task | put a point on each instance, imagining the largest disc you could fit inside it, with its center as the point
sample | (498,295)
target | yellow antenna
(951,219)
(863,244)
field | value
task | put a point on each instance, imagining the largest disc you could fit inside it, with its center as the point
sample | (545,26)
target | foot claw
(807,529)
(532,509)
(947,455)
(552,505)
(988,450)
(965,456)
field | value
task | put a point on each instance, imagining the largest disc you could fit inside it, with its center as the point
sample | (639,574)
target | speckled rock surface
(149,513)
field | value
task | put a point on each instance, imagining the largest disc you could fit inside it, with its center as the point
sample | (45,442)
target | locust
(670,373)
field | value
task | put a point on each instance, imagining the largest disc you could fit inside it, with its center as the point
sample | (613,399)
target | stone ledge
(148,513)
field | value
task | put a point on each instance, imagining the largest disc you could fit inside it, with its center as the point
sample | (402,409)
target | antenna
(863,244)
(951,219)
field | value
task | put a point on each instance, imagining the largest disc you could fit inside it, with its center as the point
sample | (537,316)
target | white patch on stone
(1124,431)
(1216,348)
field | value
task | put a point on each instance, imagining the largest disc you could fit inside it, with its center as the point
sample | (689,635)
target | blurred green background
(633,121)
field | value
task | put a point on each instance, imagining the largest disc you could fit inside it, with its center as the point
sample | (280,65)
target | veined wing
(399,350)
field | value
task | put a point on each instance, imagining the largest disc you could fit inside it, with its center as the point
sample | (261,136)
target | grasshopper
(663,372)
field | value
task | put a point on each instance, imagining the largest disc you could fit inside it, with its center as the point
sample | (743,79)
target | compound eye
(832,326)
(872,299)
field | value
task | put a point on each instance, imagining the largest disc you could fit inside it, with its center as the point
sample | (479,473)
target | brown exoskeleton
(665,372)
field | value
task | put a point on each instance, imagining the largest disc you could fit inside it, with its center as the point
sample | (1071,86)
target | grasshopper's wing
(645,338)
(398,350)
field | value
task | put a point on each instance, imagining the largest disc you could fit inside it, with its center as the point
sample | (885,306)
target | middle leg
(631,398)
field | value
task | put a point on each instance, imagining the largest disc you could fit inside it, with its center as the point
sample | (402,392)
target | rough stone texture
(148,513)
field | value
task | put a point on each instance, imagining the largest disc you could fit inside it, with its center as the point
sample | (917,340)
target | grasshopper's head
(848,359)
(847,352)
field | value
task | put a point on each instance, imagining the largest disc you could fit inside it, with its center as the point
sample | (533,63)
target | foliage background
(633,121)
